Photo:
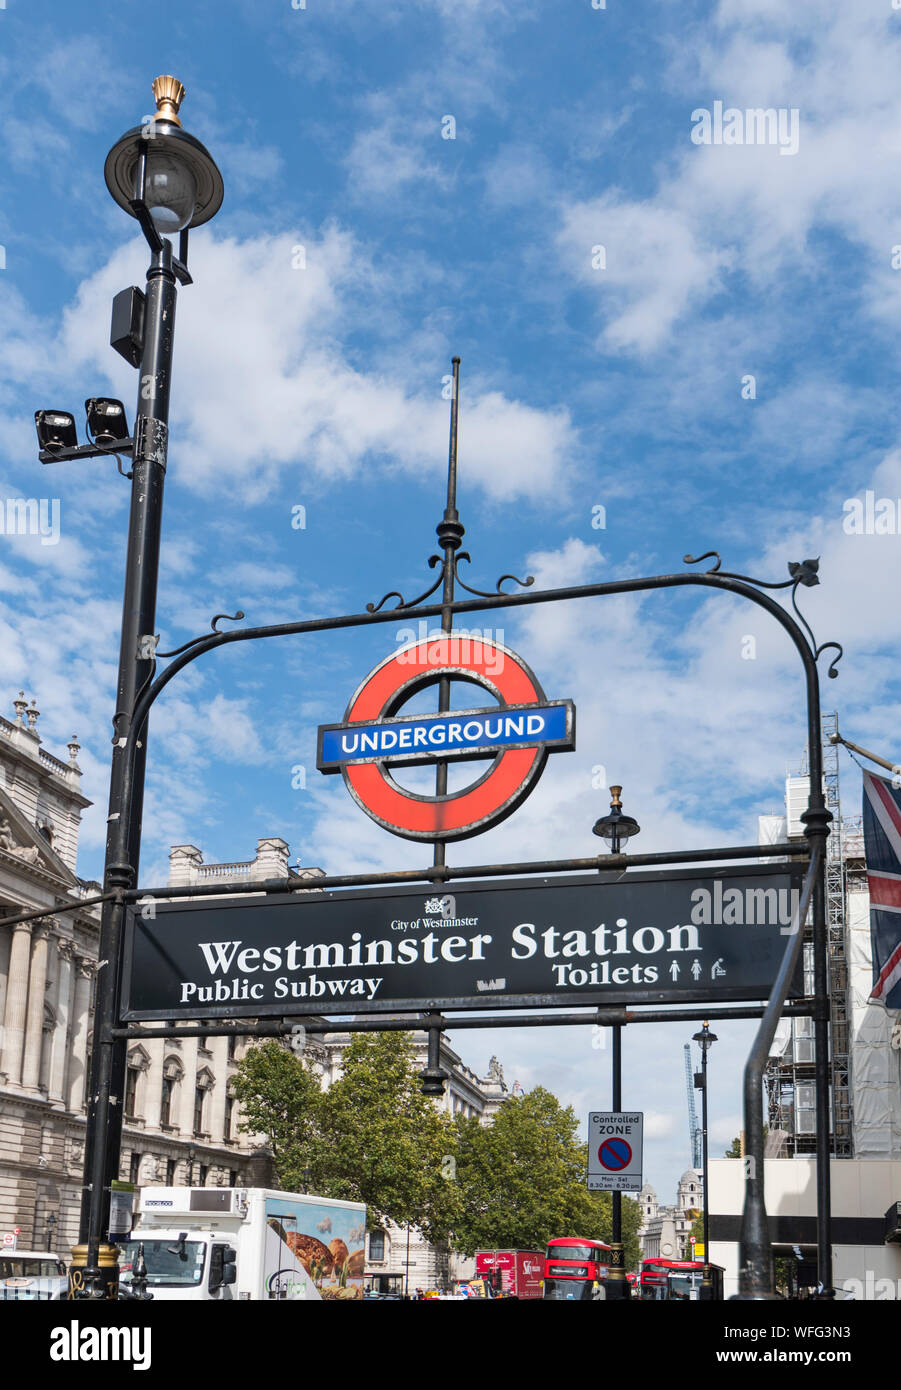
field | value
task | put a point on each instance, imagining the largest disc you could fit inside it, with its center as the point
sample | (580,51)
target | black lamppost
(706,1039)
(307,1176)
(169,182)
(617,829)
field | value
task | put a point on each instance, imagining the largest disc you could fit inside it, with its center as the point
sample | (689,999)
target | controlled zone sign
(615,1150)
(506,943)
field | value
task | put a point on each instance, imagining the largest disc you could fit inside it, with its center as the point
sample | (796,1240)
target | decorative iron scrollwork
(214,627)
(804,572)
(498,589)
(402,602)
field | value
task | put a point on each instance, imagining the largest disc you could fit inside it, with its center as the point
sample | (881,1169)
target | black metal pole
(617,1283)
(450,535)
(108,1058)
(706,1291)
(755,1252)
(822,1073)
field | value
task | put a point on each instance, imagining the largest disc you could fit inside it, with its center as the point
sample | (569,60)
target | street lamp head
(106,420)
(616,828)
(164,167)
(705,1038)
(56,430)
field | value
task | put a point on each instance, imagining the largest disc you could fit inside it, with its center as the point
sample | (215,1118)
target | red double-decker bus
(652,1277)
(575,1268)
(662,1281)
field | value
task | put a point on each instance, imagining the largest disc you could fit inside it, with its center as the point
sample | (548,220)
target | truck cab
(182,1264)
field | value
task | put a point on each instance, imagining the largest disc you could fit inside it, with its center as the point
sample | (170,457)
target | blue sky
(617,380)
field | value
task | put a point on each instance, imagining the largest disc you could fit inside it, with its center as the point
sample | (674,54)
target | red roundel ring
(499,791)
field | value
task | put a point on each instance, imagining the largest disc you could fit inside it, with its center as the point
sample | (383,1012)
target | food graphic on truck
(336,1268)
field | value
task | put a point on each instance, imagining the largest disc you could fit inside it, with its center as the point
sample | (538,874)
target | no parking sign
(614,1150)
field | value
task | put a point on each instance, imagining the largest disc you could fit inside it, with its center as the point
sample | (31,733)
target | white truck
(226,1243)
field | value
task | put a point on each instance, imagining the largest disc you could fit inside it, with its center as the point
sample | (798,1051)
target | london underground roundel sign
(517,732)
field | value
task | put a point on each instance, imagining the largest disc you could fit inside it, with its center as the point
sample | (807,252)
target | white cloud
(386,157)
(748,207)
(658,265)
(658,1125)
(264,382)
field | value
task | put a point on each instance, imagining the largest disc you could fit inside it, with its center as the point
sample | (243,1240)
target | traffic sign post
(615,1151)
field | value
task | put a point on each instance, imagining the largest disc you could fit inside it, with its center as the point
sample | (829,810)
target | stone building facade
(665,1231)
(182,1120)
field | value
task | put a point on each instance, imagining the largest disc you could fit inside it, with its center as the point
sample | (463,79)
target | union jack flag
(882,841)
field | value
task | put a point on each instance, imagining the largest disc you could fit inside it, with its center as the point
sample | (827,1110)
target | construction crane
(695,1134)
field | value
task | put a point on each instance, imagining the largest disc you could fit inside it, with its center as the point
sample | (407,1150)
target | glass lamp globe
(171,192)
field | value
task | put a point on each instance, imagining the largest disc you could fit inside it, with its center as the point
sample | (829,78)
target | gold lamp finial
(615,795)
(169,94)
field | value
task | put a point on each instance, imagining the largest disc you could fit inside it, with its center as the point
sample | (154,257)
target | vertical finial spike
(452,453)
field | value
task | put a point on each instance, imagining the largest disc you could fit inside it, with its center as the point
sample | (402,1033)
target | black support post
(617,1283)
(108,1058)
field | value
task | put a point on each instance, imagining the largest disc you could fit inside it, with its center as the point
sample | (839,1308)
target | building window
(202,1042)
(134,1169)
(131,1091)
(198,1111)
(233,1178)
(166,1103)
(170,1172)
(232,1045)
(377,1245)
(204,1169)
(229,1110)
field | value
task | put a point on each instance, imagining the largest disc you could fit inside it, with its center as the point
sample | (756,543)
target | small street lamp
(51,1231)
(617,829)
(161,175)
(307,1178)
(705,1039)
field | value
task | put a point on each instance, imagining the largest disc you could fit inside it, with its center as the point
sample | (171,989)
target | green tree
(373,1137)
(521,1180)
(282,1099)
(382,1142)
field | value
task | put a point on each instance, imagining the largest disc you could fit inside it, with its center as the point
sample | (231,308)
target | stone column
(185,1117)
(153,1082)
(6,941)
(34,1024)
(57,1087)
(16,1004)
(216,1097)
(80,1024)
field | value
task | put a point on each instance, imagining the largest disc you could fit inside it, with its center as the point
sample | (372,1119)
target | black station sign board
(717,934)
